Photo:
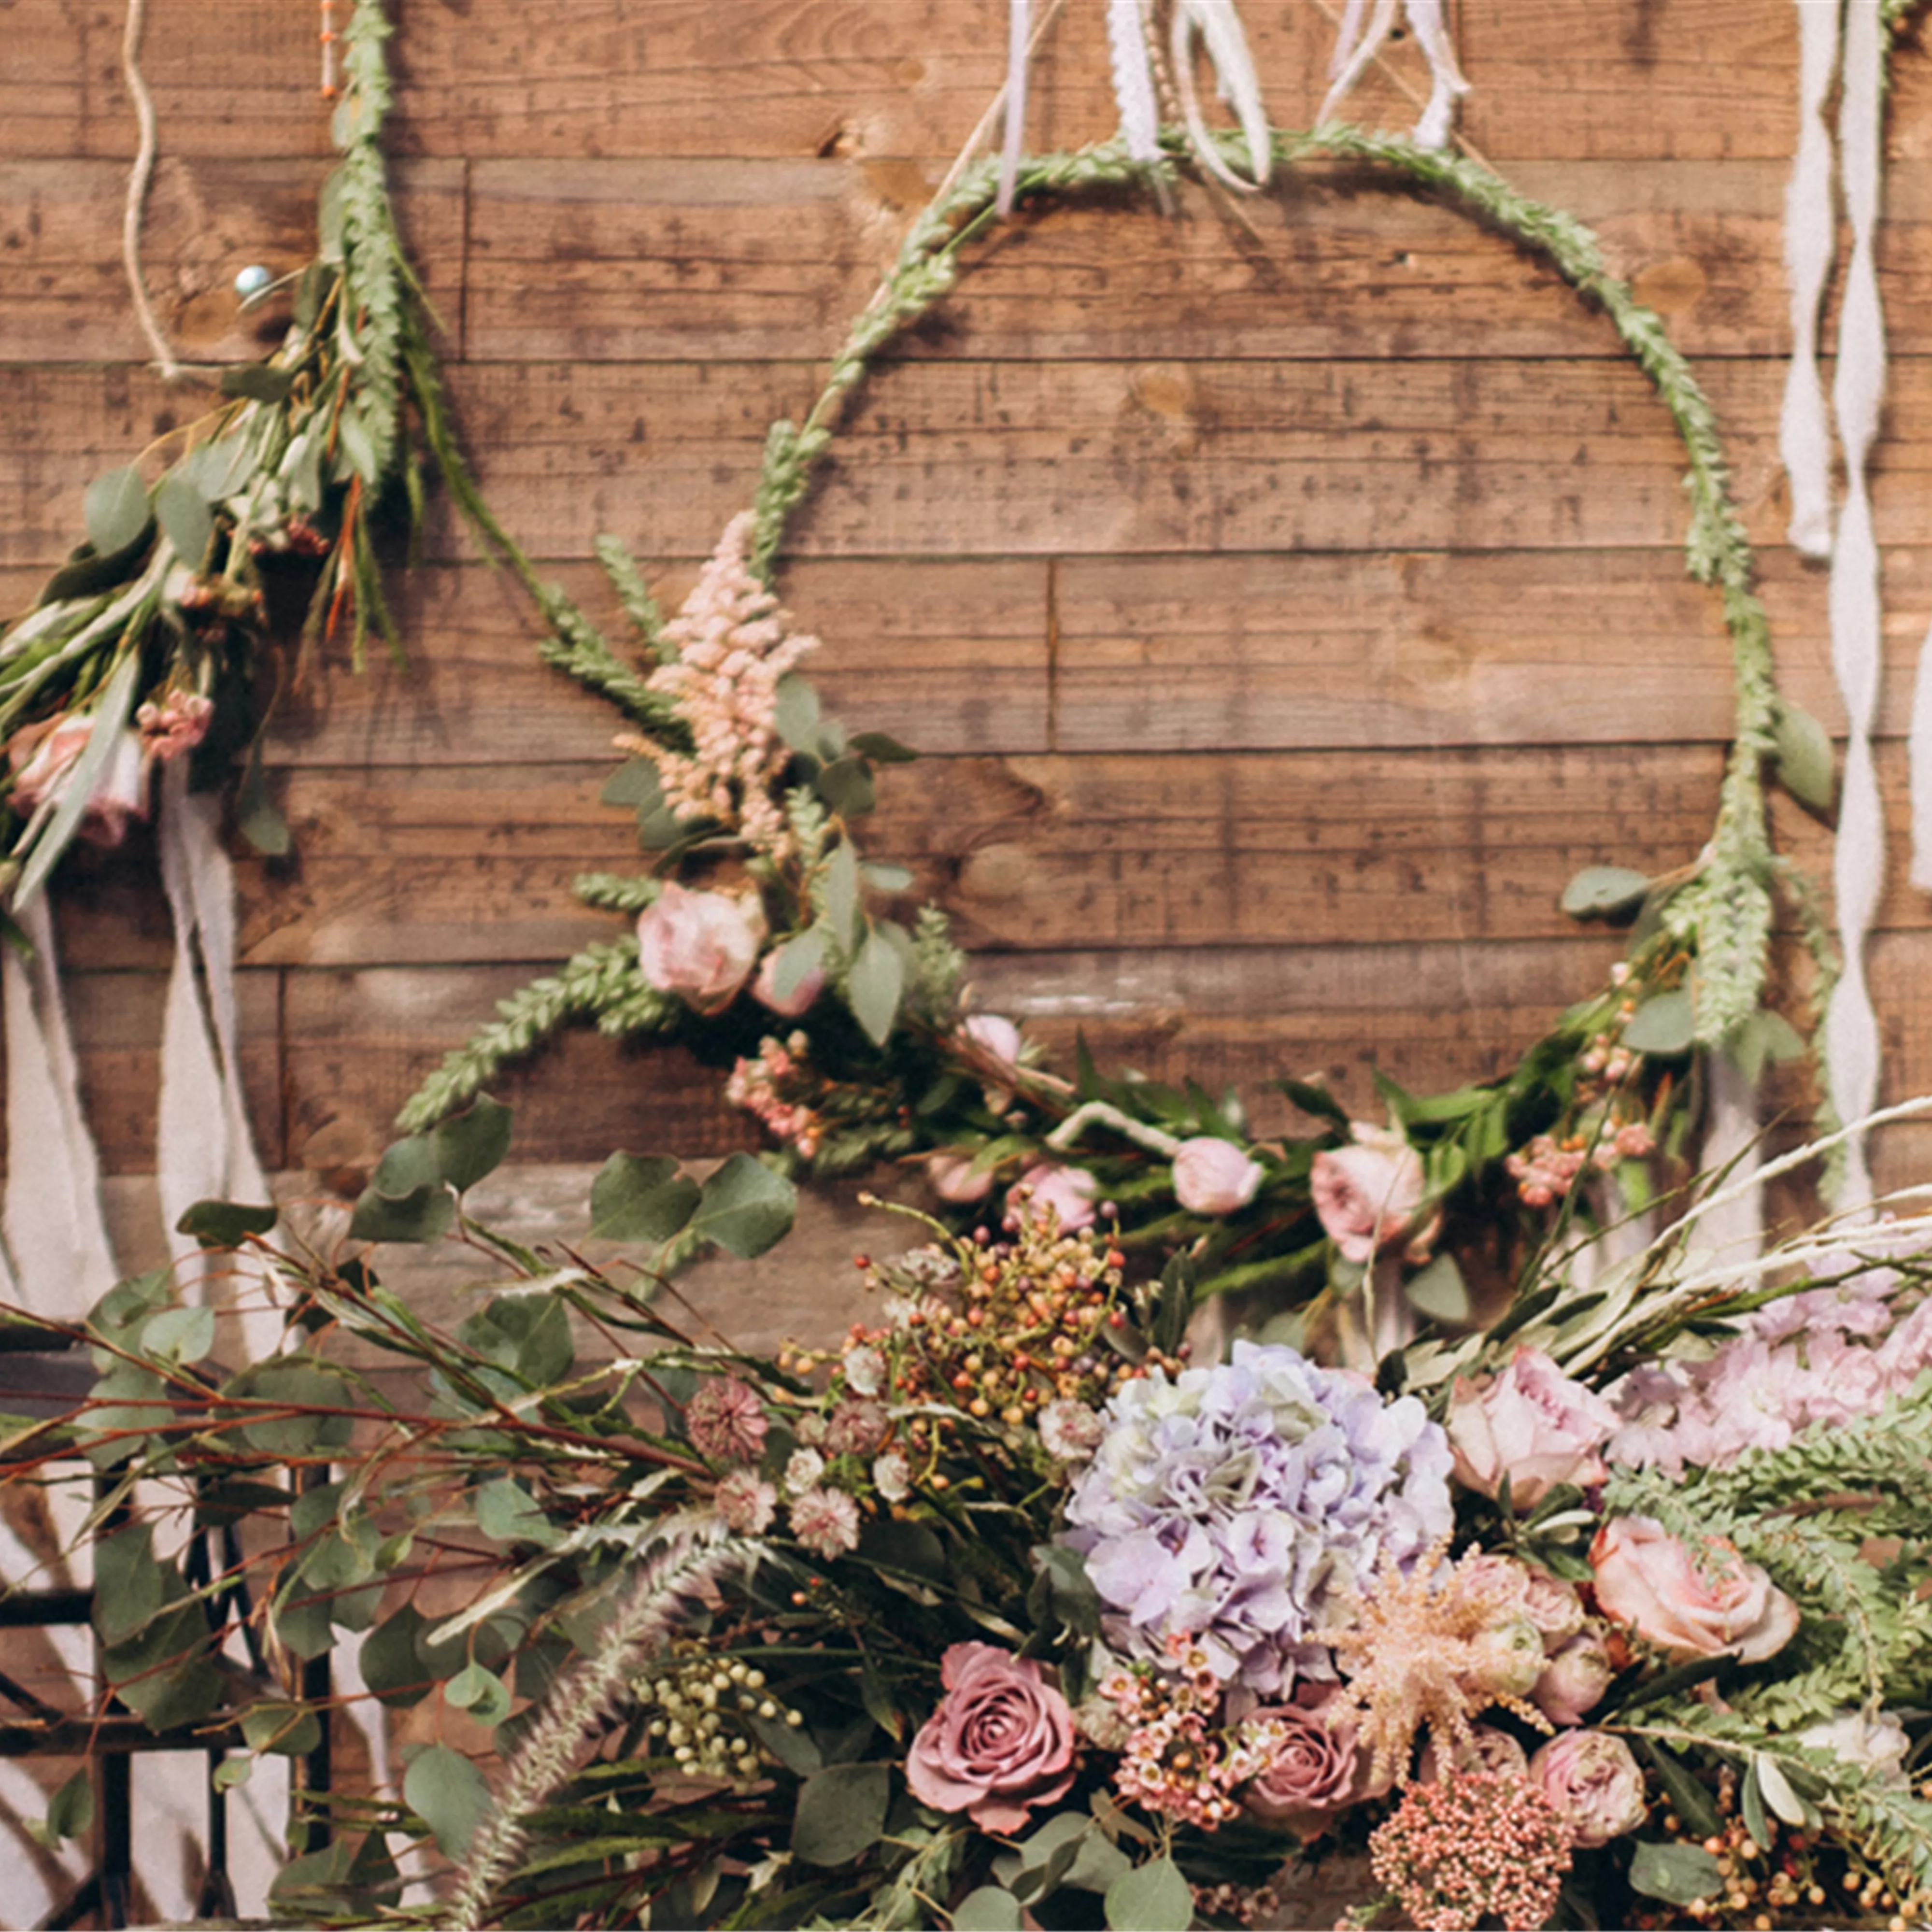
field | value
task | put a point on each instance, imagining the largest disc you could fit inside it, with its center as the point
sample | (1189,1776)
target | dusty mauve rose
(1594,1783)
(1575,1676)
(1212,1176)
(1531,1424)
(1368,1195)
(1000,1742)
(1319,1772)
(700,946)
(787,1006)
(1646,1578)
(1068,1191)
(953,1178)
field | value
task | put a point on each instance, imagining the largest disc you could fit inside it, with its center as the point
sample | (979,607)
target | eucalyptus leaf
(390,1662)
(1598,891)
(449,1794)
(841,1811)
(801,956)
(875,986)
(70,1811)
(796,713)
(287,1730)
(226,1224)
(1152,1897)
(745,1207)
(184,519)
(1439,1290)
(1681,1873)
(257,382)
(988,1909)
(882,750)
(472,1144)
(846,786)
(644,1198)
(1666,1023)
(1779,1795)
(1805,766)
(426,1214)
(841,894)
(115,508)
(634,784)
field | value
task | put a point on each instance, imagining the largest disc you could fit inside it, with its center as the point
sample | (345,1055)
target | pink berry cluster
(1173,1760)
(759,1086)
(1545,1170)
(1480,1846)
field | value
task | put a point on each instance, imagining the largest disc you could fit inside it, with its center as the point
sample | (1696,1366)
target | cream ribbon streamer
(1356,46)
(206,1150)
(1810,241)
(62,1260)
(1851,1027)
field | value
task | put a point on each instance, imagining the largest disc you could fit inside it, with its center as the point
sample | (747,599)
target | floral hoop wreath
(758,941)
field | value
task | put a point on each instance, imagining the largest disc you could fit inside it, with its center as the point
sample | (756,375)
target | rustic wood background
(1288,597)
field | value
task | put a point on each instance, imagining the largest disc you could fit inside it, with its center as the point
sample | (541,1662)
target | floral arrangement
(1008,1605)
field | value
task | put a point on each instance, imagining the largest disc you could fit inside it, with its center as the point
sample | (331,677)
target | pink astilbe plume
(1436,1647)
(734,644)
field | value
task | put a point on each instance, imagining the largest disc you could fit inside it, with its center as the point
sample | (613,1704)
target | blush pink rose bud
(1531,1424)
(1573,1679)
(700,946)
(787,1006)
(992,1040)
(1212,1176)
(953,1178)
(1594,1783)
(1486,1749)
(1505,1660)
(1068,1191)
(1368,1195)
(44,756)
(1000,1742)
(1646,1578)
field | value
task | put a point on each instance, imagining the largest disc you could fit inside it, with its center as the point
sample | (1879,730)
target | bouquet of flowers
(1007,1609)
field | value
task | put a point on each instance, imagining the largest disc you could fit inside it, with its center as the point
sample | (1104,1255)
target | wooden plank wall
(1288,597)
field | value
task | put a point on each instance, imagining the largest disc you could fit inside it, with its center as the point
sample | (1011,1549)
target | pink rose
(1068,1191)
(953,1178)
(700,946)
(1368,1195)
(1575,1676)
(1645,1578)
(1212,1176)
(1531,1424)
(1000,1742)
(1319,1770)
(787,1006)
(1593,1784)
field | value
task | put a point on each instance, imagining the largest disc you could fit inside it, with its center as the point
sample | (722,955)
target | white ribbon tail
(1133,80)
(1734,1226)
(1348,67)
(63,1261)
(1019,32)
(1446,83)
(1234,79)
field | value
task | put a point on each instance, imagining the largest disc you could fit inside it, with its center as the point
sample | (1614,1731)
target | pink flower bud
(992,1039)
(1068,1191)
(787,1006)
(1574,1678)
(1212,1176)
(953,1178)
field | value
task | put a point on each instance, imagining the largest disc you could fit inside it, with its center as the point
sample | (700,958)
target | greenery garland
(885,1070)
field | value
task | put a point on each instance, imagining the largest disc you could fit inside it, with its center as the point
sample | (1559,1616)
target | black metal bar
(217,1889)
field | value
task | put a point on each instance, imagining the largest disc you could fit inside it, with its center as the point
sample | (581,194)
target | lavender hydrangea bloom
(1234,1504)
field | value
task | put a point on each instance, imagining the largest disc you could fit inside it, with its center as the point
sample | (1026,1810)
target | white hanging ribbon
(62,1260)
(1019,34)
(1851,1027)
(1219,27)
(1734,1227)
(1356,45)
(205,1149)
(1133,79)
(1810,241)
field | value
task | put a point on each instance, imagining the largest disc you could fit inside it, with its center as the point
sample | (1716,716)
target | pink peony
(1368,1195)
(1575,1676)
(1531,1424)
(1318,1771)
(700,946)
(787,1006)
(1594,1783)
(954,1179)
(1000,1742)
(1645,1578)
(1212,1176)
(1068,1191)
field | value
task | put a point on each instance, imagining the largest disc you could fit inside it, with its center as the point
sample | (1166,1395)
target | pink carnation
(746,1502)
(726,1421)
(826,1521)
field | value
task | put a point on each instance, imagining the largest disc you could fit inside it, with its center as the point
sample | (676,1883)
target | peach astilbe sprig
(734,644)
(1436,1646)
(1483,1846)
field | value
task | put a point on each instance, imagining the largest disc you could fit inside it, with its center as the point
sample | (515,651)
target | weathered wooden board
(64,298)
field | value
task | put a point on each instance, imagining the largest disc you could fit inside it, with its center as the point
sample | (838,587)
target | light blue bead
(252,280)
